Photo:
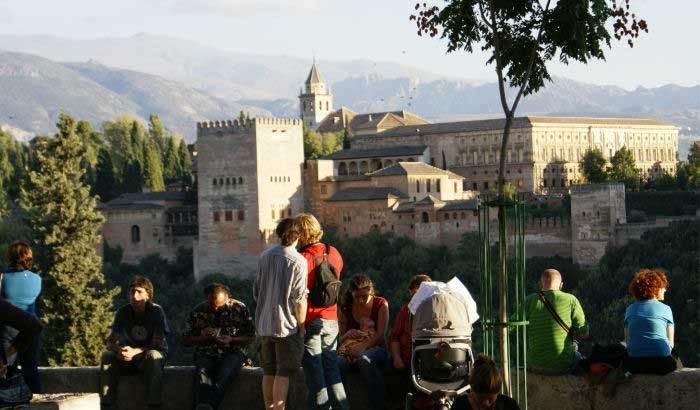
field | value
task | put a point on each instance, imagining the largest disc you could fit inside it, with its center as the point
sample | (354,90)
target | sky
(377,30)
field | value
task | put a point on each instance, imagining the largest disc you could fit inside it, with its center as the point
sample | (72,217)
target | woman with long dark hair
(359,304)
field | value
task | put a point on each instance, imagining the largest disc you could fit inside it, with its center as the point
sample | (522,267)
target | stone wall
(678,390)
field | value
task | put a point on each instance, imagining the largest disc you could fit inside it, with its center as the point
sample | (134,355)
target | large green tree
(624,169)
(185,160)
(152,167)
(105,181)
(693,167)
(520,38)
(65,223)
(157,131)
(593,166)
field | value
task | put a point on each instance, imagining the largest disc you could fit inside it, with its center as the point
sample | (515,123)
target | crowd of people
(303,322)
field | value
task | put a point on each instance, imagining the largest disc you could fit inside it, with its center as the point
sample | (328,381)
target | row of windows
(575,154)
(280,213)
(496,172)
(228,215)
(221,181)
(629,137)
(280,179)
(352,168)
(492,157)
(308,105)
(485,185)
(427,184)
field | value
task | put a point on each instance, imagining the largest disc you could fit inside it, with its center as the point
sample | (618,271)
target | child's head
(366,324)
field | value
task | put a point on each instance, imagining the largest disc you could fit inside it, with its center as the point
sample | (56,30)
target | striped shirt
(280,285)
(548,346)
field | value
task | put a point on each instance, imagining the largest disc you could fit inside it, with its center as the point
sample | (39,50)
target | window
(221,181)
(217,216)
(424,217)
(437,185)
(417,185)
(455,185)
(447,216)
(241,215)
(427,185)
(324,189)
(273,214)
(486,185)
(240,180)
(228,216)
(326,105)
(135,234)
(214,182)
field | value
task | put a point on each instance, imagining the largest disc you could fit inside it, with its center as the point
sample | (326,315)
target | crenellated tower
(316,100)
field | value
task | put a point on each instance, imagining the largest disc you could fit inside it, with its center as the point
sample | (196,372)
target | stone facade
(596,210)
(145,223)
(316,100)
(249,176)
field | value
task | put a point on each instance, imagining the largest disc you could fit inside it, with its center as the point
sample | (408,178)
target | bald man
(550,349)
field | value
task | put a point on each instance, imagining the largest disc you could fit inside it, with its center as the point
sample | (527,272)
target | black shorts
(281,356)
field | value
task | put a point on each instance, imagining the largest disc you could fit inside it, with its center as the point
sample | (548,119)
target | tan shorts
(281,356)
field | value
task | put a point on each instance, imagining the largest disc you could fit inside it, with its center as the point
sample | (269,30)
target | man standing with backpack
(320,360)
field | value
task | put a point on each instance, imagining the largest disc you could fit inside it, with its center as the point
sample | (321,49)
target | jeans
(320,363)
(26,359)
(150,363)
(371,364)
(213,376)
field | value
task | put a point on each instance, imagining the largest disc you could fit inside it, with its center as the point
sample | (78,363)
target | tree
(521,38)
(152,167)
(243,117)
(624,169)
(171,161)
(185,160)
(105,180)
(694,166)
(156,131)
(64,221)
(593,166)
(317,144)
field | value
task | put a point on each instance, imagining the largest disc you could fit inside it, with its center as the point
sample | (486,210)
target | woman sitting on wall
(360,302)
(649,326)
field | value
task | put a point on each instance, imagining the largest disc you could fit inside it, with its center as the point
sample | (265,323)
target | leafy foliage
(64,221)
(592,166)
(318,144)
(624,169)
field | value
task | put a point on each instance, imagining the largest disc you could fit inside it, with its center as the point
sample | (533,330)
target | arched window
(326,105)
(437,185)
(352,169)
(228,181)
(135,234)
(240,180)
(427,185)
(221,181)
(388,162)
(214,182)
(363,167)
(417,185)
(342,169)
(424,217)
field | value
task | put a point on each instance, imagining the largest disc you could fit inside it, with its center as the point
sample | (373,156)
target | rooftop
(399,151)
(367,194)
(406,168)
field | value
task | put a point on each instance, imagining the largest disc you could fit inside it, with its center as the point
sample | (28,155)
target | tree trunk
(502,254)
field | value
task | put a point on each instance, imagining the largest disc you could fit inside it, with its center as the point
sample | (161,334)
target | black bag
(14,392)
(326,284)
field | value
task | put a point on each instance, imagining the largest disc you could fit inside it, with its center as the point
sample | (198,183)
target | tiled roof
(459,205)
(152,196)
(345,117)
(366,193)
(429,200)
(405,168)
(313,77)
(400,151)
(518,122)
(129,206)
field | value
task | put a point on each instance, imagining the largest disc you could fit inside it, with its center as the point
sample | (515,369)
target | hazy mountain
(187,81)
(35,90)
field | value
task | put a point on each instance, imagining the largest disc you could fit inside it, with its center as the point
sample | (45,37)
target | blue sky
(347,30)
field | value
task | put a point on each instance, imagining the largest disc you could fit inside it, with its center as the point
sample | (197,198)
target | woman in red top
(401,346)
(320,361)
(360,302)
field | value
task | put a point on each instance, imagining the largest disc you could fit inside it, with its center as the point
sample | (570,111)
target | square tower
(316,102)
(249,175)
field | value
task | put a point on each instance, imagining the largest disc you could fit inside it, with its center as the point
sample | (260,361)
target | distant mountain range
(185,82)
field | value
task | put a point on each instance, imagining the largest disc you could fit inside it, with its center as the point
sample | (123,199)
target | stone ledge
(678,390)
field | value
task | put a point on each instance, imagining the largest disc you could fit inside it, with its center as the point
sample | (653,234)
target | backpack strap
(554,314)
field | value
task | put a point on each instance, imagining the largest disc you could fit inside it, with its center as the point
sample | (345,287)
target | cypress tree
(105,181)
(157,131)
(171,162)
(64,221)
(152,169)
(185,161)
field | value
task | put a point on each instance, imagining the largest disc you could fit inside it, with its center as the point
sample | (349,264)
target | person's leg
(289,351)
(30,366)
(331,370)
(371,364)
(204,367)
(269,365)
(650,365)
(313,367)
(152,363)
(109,378)
(228,368)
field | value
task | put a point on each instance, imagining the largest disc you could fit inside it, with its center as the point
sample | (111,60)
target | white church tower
(316,102)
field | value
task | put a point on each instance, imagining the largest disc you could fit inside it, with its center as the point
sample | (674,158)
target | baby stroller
(442,354)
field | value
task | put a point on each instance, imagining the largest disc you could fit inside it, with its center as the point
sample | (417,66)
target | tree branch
(497,57)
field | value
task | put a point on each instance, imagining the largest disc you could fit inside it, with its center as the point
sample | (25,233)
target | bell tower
(316,100)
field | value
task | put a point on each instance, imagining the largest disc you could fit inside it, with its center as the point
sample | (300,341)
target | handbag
(14,392)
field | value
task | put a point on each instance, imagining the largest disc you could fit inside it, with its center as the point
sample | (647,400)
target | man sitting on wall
(218,329)
(556,320)
(136,344)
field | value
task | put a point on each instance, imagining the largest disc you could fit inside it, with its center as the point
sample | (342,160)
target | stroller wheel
(409,401)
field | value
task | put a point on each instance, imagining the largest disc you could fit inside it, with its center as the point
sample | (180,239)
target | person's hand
(355,333)
(127,353)
(224,340)
(356,351)
(398,363)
